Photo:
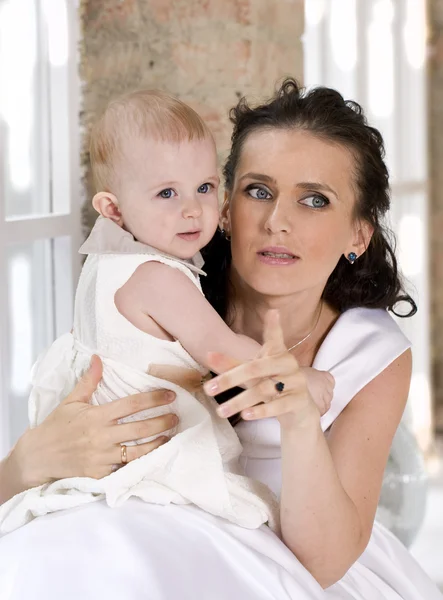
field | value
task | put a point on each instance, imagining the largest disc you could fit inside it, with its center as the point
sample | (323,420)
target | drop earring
(352,257)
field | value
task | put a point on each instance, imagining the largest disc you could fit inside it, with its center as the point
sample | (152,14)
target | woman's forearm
(11,477)
(320,523)
(24,466)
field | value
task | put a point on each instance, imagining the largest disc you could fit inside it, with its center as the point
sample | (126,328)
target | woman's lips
(277,256)
(275,260)
(191,236)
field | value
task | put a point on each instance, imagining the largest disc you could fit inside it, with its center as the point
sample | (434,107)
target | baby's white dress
(200,464)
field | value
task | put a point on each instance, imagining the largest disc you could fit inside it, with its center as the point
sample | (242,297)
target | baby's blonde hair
(150,113)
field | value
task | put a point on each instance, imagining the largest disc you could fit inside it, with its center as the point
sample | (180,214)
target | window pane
(40,303)
(413,150)
(411,225)
(34,106)
(55,17)
(381,76)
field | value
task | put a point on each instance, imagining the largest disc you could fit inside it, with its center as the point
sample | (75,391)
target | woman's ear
(225,215)
(106,204)
(362,237)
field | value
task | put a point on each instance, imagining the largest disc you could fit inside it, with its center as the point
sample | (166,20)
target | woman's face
(290,212)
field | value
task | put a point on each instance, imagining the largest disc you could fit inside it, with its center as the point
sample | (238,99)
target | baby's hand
(321,387)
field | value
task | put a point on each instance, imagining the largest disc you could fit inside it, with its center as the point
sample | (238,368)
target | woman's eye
(259,193)
(168,193)
(205,188)
(315,201)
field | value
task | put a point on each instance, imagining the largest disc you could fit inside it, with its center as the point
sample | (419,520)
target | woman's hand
(79,439)
(292,406)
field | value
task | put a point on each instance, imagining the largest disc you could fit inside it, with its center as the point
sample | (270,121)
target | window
(39,192)
(373,51)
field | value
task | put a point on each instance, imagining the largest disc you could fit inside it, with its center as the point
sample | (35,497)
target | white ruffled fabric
(200,465)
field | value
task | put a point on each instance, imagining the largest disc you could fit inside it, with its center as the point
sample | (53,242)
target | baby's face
(168,193)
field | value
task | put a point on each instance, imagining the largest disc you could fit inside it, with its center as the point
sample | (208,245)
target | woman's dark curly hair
(373,281)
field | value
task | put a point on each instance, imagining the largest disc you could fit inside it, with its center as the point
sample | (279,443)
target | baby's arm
(170,298)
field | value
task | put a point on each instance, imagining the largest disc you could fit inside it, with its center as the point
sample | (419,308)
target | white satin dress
(141,551)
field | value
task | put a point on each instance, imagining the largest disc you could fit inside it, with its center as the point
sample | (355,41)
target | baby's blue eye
(168,193)
(205,188)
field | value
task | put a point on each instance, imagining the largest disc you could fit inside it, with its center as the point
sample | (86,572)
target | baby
(138,303)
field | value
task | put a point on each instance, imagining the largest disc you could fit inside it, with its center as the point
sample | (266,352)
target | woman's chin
(274,286)
(270,280)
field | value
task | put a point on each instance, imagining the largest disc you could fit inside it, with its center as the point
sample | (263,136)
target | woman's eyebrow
(319,187)
(259,176)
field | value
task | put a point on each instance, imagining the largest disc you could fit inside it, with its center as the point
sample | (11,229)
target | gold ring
(124,454)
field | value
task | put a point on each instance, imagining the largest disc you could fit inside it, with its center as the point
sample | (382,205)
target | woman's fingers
(136,451)
(137,430)
(88,383)
(279,407)
(263,392)
(273,338)
(273,358)
(130,405)
(266,367)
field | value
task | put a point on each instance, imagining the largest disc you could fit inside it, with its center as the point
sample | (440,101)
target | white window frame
(337,54)
(26,229)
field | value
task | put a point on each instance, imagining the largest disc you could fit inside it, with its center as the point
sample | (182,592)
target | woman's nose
(277,220)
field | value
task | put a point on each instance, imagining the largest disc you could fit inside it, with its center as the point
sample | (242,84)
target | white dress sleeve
(361,344)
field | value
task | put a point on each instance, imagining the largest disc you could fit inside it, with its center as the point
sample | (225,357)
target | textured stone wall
(207,52)
(436,209)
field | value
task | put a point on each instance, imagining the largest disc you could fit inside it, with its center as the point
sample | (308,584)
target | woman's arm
(11,477)
(78,439)
(330,488)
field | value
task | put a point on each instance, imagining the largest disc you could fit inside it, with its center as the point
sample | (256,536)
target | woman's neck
(299,316)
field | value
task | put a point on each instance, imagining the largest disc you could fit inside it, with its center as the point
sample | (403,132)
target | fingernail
(169,396)
(223,411)
(247,414)
(211,387)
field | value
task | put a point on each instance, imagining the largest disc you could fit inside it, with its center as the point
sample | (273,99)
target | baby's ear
(106,204)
